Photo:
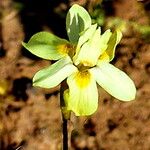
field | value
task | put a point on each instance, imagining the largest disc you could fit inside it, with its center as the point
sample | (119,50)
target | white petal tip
(129,96)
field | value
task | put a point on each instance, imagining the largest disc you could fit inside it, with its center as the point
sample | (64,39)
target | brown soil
(30,118)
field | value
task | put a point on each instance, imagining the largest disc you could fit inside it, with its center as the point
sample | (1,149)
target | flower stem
(65,116)
(65,134)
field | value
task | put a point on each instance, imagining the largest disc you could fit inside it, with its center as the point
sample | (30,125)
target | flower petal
(77,21)
(104,40)
(82,96)
(103,57)
(89,52)
(86,35)
(114,81)
(109,53)
(47,46)
(53,75)
(112,43)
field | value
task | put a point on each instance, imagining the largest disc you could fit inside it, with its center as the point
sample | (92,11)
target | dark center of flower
(82,68)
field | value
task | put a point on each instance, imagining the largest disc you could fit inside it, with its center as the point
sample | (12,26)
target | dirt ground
(30,118)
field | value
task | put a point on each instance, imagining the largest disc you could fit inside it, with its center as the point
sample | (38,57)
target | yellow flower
(84,62)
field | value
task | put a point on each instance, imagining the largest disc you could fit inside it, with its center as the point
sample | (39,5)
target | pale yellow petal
(89,52)
(82,96)
(53,75)
(114,81)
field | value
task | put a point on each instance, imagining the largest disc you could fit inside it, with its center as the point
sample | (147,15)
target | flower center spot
(83,78)
(66,49)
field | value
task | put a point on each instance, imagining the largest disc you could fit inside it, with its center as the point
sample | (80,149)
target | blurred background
(30,118)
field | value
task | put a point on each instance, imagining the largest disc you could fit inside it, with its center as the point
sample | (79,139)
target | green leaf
(77,21)
(112,43)
(53,75)
(46,45)
(114,81)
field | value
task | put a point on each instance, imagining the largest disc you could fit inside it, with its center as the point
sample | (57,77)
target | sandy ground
(30,118)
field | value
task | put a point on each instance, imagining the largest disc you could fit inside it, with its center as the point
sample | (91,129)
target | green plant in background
(124,25)
(98,15)
(81,62)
